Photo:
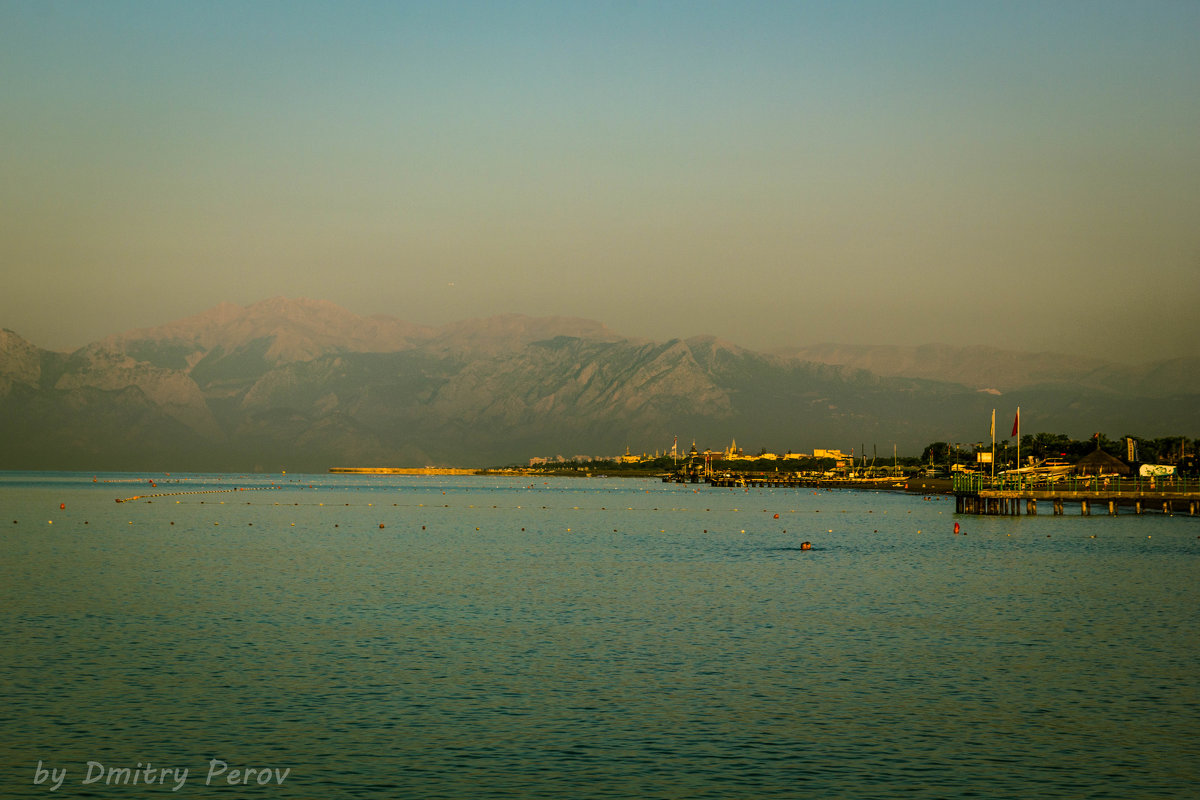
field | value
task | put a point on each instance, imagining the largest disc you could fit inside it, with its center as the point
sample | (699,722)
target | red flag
(1017,423)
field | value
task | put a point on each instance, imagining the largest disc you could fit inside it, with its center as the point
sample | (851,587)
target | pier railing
(1106,484)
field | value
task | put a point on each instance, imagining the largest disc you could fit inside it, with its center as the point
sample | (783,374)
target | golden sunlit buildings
(730,453)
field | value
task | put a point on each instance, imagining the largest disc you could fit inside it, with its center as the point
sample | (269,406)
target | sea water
(484,637)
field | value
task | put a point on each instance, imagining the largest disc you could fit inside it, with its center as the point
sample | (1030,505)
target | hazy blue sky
(1019,174)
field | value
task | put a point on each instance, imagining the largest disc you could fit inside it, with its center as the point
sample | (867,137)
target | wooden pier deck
(1011,497)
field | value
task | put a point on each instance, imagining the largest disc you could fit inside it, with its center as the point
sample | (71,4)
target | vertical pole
(993,444)
(1017,428)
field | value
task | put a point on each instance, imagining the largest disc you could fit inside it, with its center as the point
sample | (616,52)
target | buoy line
(196,491)
(470,507)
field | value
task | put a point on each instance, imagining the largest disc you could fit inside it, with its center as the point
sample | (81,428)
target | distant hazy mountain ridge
(297,330)
(304,385)
(20,362)
(1006,370)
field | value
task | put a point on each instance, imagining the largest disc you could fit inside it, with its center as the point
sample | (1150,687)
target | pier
(1103,495)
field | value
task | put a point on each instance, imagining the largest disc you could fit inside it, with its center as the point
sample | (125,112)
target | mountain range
(304,385)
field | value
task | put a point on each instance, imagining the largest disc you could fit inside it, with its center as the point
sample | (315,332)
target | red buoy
(956,528)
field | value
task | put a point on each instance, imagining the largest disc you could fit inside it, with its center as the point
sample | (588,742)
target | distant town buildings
(543,460)
(730,453)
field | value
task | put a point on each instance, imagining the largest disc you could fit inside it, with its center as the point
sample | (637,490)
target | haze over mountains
(304,385)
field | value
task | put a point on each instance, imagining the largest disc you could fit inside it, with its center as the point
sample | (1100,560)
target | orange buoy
(956,527)
(62,506)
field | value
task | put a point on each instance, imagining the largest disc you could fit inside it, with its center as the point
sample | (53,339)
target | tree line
(1163,450)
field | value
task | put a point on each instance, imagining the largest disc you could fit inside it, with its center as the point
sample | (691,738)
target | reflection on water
(487,637)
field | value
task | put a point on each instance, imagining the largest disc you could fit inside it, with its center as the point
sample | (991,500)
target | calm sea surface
(593,638)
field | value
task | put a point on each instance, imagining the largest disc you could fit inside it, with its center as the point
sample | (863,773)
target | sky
(1018,174)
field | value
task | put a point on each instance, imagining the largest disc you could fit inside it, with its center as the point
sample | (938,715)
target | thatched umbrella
(1099,462)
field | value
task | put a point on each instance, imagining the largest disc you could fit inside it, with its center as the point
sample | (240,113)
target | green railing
(1170,484)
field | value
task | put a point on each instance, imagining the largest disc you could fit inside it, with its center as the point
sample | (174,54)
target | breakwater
(792,482)
(402,471)
(782,481)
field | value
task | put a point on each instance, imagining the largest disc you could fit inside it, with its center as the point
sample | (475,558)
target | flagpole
(993,444)
(1017,428)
